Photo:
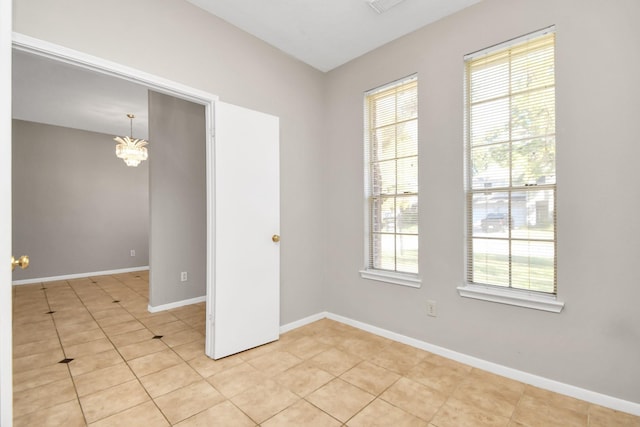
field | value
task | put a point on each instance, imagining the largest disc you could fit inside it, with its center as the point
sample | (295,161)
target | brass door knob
(275,238)
(23,262)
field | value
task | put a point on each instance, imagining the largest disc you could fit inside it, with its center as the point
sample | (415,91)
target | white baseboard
(163,307)
(79,275)
(298,323)
(534,380)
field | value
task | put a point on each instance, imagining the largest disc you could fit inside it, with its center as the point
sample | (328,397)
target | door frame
(6,348)
(11,40)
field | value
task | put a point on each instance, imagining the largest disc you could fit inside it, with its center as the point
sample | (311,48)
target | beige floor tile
(154,362)
(194,319)
(451,364)
(188,310)
(42,397)
(155,319)
(36,347)
(37,331)
(414,398)
(304,378)
(82,337)
(188,401)
(108,321)
(302,413)
(236,379)
(40,376)
(456,413)
(305,347)
(71,317)
(437,377)
(490,393)
(364,346)
(207,366)
(340,399)
(114,311)
(91,347)
(65,331)
(102,379)
(39,360)
(274,363)
(132,337)
(382,414)
(370,378)
(190,350)
(29,312)
(92,362)
(182,337)
(264,400)
(66,414)
(605,417)
(113,400)
(260,350)
(168,328)
(122,327)
(170,379)
(149,346)
(145,414)
(538,413)
(557,400)
(398,357)
(223,414)
(335,361)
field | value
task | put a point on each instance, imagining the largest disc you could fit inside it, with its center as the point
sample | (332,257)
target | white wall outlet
(133,252)
(183,276)
(431,308)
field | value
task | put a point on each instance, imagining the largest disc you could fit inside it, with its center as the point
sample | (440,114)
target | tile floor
(87,352)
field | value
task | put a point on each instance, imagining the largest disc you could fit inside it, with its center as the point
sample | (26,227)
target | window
(391,182)
(511,169)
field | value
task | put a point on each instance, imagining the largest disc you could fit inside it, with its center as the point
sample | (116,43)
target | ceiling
(322,33)
(60,94)
(328,33)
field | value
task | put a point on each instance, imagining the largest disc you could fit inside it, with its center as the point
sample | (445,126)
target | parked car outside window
(496,222)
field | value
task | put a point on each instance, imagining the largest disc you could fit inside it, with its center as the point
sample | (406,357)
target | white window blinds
(511,165)
(391,150)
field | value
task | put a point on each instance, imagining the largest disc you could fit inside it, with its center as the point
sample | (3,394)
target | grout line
(64,353)
(118,350)
(115,348)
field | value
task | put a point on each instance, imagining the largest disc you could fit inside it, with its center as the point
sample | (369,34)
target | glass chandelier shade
(131,150)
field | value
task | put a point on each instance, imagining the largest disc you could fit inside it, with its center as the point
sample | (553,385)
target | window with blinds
(511,165)
(391,181)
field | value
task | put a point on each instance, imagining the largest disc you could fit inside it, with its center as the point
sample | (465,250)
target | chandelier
(129,149)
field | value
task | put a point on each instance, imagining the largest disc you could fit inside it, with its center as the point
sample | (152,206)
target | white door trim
(159,84)
(6,394)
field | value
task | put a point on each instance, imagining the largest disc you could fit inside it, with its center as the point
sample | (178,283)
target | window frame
(369,272)
(497,293)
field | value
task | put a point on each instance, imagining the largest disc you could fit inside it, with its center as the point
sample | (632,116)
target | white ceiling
(328,33)
(56,93)
(322,33)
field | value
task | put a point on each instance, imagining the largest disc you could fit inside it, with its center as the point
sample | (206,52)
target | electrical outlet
(133,252)
(431,308)
(183,276)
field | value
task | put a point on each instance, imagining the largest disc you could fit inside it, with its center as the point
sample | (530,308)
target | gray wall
(178,199)
(595,342)
(77,208)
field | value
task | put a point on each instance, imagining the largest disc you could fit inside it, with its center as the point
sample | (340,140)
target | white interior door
(246,294)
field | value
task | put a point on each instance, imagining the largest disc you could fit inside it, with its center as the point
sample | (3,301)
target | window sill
(410,280)
(511,297)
